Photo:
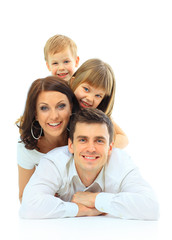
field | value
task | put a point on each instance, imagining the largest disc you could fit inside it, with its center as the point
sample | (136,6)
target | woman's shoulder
(27,158)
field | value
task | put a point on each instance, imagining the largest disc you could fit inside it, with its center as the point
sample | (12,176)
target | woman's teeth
(54,124)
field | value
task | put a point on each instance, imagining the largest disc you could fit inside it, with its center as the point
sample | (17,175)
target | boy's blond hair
(58,43)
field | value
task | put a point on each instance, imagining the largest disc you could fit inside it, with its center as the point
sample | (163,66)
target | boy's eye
(67,61)
(55,63)
(44,108)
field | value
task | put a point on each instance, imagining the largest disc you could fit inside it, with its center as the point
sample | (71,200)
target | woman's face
(53,111)
(89,96)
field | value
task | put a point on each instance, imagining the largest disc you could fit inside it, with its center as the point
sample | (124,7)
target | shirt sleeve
(27,158)
(135,199)
(38,200)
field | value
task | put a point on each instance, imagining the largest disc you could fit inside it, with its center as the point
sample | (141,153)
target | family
(70,157)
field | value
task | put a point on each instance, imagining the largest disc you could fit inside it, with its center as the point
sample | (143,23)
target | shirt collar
(99,180)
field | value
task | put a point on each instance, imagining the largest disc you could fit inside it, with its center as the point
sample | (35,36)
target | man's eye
(100,141)
(82,140)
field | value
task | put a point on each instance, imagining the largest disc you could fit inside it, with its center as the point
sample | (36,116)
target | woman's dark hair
(51,83)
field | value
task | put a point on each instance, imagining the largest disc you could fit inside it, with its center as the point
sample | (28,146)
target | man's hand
(86,211)
(85,198)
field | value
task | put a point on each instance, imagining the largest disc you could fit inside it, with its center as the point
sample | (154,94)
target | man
(89,177)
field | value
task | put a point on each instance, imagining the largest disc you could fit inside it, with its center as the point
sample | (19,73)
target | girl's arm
(121,139)
(23,175)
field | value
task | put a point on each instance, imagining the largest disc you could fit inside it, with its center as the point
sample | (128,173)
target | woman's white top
(26,158)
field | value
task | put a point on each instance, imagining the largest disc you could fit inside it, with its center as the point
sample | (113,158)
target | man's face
(90,147)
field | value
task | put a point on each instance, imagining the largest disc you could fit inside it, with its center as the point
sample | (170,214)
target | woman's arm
(23,175)
(121,139)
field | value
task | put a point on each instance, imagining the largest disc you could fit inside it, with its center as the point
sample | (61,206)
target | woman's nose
(54,114)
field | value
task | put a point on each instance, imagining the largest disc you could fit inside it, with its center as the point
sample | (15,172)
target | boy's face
(91,147)
(62,64)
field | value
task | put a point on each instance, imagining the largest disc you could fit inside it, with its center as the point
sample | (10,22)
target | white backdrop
(134,37)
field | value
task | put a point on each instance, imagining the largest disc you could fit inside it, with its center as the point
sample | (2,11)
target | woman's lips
(54,125)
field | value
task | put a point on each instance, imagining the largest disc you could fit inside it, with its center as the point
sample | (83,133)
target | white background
(135,38)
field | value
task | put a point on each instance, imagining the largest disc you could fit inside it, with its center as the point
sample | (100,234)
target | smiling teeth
(86,104)
(62,74)
(90,157)
(54,124)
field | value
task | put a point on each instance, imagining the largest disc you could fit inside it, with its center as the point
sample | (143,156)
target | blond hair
(100,75)
(58,43)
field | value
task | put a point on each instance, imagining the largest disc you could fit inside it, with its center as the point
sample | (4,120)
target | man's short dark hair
(91,115)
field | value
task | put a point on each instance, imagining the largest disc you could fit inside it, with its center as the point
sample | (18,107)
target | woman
(43,126)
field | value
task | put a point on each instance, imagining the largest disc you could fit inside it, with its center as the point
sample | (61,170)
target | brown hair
(58,43)
(51,83)
(88,116)
(98,74)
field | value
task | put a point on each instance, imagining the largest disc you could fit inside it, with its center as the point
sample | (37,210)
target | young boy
(61,58)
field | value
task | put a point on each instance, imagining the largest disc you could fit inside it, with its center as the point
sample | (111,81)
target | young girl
(94,86)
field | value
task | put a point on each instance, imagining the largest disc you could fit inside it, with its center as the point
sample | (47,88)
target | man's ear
(48,66)
(110,148)
(70,146)
(77,61)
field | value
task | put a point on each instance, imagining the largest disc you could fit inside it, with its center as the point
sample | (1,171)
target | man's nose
(91,147)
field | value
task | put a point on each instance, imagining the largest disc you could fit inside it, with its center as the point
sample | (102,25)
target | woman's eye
(44,108)
(61,106)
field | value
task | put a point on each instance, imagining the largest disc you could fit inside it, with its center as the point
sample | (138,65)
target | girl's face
(89,96)
(53,111)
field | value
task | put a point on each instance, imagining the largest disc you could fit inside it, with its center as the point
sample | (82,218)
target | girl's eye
(44,108)
(99,96)
(67,61)
(86,89)
(61,106)
(55,63)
